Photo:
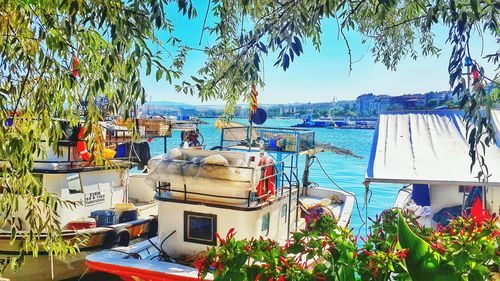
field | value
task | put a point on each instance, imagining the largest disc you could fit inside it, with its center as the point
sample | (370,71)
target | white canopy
(428,147)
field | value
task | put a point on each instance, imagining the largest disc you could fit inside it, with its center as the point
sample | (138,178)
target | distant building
(372,105)
(363,104)
(345,104)
(187,112)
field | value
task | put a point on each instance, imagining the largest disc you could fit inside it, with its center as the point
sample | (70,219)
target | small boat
(104,218)
(205,193)
(427,152)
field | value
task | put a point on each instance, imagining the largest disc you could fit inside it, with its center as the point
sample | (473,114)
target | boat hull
(133,274)
(149,268)
(45,267)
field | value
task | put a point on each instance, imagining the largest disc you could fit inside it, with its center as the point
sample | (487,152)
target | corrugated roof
(427,147)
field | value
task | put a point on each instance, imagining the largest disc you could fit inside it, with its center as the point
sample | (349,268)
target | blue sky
(321,76)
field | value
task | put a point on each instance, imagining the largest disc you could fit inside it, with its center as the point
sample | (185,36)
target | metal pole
(305,176)
(367,186)
(249,131)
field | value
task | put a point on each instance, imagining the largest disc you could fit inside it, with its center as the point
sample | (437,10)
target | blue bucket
(103,217)
(272,144)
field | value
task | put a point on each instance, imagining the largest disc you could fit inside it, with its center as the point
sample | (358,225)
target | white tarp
(427,147)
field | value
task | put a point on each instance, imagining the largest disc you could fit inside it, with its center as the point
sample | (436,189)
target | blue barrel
(127,216)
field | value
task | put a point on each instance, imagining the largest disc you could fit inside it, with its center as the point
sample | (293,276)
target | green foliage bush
(398,248)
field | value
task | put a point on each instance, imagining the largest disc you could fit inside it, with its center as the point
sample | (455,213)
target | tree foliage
(57,57)
(246,31)
(111,41)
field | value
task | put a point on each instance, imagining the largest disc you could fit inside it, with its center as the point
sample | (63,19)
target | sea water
(347,172)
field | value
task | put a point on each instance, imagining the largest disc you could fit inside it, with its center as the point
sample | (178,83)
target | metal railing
(251,195)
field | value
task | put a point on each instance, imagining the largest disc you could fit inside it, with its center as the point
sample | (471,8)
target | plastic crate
(104,217)
(286,139)
(290,140)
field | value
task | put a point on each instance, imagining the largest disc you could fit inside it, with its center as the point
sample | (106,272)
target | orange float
(266,185)
(81,147)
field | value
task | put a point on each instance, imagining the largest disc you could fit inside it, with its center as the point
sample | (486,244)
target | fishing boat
(108,211)
(427,153)
(204,193)
(308,122)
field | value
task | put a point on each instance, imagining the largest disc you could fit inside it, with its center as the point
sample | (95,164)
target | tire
(153,228)
(116,237)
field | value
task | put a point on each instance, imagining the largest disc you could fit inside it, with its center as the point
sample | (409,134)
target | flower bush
(398,248)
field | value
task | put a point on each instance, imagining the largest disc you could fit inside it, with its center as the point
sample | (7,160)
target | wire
(348,192)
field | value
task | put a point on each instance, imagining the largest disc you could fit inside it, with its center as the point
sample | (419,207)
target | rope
(344,190)
(189,260)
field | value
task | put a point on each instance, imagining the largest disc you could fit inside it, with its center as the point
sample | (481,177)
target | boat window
(283,213)
(265,224)
(74,183)
(200,228)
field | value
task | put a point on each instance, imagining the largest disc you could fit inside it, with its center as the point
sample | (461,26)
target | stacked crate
(155,127)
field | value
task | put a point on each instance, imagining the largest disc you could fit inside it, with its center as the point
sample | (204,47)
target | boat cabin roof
(428,147)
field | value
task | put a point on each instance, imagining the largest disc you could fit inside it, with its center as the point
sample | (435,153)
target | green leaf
(159,74)
(422,262)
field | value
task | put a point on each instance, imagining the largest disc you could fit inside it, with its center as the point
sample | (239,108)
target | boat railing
(65,163)
(284,189)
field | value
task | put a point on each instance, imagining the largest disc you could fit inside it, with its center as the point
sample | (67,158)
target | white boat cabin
(210,192)
(428,153)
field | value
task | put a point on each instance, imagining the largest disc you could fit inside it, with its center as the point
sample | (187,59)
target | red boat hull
(135,274)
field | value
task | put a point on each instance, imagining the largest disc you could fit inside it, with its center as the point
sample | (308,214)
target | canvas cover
(428,147)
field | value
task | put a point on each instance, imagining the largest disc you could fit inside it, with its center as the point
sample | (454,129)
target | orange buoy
(267,184)
(81,147)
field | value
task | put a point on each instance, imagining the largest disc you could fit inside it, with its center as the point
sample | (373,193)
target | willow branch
(204,21)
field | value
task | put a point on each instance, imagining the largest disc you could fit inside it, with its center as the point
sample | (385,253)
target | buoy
(266,185)
(81,147)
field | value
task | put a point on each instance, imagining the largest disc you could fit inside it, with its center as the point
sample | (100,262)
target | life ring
(81,147)
(267,183)
(116,237)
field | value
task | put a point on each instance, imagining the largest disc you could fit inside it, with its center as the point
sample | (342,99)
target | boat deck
(342,209)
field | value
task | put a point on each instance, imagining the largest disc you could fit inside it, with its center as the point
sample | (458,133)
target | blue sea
(347,172)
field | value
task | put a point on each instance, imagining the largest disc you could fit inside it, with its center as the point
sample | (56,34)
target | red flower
(367,253)
(438,246)
(477,212)
(284,261)
(221,241)
(201,264)
(403,254)
(320,277)
(230,233)
(257,278)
